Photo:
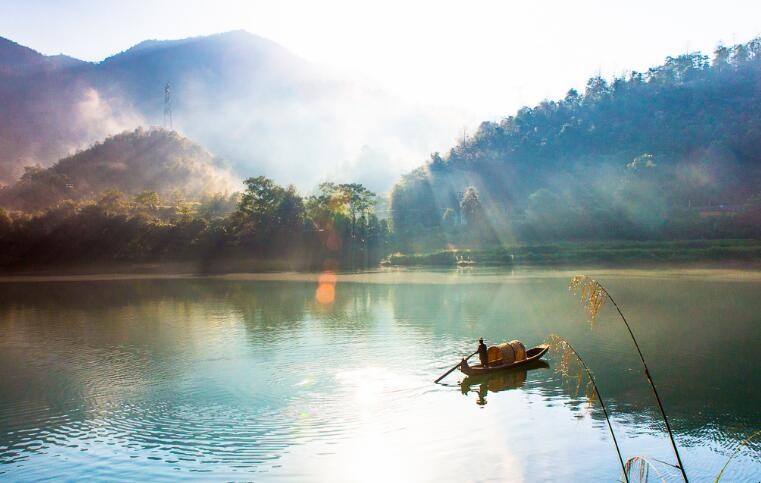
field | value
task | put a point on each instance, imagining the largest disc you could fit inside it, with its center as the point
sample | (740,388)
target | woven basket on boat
(494,355)
(519,349)
(501,354)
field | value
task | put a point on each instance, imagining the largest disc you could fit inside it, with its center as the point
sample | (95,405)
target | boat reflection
(500,381)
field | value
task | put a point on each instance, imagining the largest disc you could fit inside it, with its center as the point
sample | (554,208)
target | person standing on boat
(483,353)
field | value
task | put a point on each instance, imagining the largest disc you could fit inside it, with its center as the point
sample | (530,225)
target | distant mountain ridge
(244,97)
(16,59)
(50,108)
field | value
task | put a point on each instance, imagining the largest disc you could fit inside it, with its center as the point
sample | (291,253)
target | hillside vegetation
(132,162)
(266,226)
(671,153)
(625,172)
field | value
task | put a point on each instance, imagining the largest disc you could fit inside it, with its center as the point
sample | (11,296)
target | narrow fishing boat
(505,356)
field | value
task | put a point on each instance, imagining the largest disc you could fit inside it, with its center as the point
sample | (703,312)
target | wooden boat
(532,355)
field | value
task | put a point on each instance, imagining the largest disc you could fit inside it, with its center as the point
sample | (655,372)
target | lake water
(272,378)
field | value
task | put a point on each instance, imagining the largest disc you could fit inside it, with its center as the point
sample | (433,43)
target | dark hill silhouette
(131,162)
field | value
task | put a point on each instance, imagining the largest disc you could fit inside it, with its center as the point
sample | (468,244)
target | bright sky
(489,57)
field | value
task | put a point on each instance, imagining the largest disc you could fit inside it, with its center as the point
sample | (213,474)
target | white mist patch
(342,134)
(98,118)
(95,118)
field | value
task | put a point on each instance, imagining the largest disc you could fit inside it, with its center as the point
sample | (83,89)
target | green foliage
(6,223)
(135,162)
(267,222)
(416,214)
(342,214)
(670,153)
(267,213)
(470,206)
(217,206)
(112,202)
(594,253)
(148,202)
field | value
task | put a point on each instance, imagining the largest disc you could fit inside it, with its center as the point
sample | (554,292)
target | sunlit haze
(487,57)
(365,240)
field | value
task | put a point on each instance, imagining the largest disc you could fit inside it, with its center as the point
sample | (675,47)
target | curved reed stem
(644,465)
(593,288)
(734,453)
(652,384)
(599,398)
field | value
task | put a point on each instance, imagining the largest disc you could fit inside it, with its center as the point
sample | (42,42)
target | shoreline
(725,259)
(595,253)
(415,275)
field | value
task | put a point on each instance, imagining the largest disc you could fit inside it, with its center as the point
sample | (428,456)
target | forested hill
(648,155)
(153,160)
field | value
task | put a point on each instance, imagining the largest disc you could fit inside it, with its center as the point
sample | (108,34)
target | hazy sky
(489,57)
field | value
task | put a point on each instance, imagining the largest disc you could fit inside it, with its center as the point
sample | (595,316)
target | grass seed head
(592,294)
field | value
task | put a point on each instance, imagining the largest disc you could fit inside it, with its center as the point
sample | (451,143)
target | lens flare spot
(326,288)
(329,278)
(325,294)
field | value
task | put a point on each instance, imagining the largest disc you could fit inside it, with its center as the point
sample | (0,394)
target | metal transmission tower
(168,106)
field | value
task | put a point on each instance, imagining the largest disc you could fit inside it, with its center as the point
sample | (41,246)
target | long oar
(455,367)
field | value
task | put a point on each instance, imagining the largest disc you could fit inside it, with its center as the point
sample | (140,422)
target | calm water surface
(257,380)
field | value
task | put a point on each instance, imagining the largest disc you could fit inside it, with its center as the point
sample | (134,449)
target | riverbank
(702,254)
(594,253)
(424,275)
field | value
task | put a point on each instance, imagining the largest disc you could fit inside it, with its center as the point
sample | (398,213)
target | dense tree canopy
(335,227)
(671,152)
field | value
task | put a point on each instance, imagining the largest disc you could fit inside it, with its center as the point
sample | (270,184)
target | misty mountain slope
(270,112)
(17,60)
(244,97)
(623,159)
(204,70)
(140,160)
(49,108)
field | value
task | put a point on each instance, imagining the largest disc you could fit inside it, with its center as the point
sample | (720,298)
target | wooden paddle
(455,367)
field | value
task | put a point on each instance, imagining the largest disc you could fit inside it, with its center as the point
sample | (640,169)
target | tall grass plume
(567,353)
(593,295)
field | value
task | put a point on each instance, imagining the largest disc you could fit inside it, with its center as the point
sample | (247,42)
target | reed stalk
(643,465)
(734,453)
(594,295)
(558,344)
